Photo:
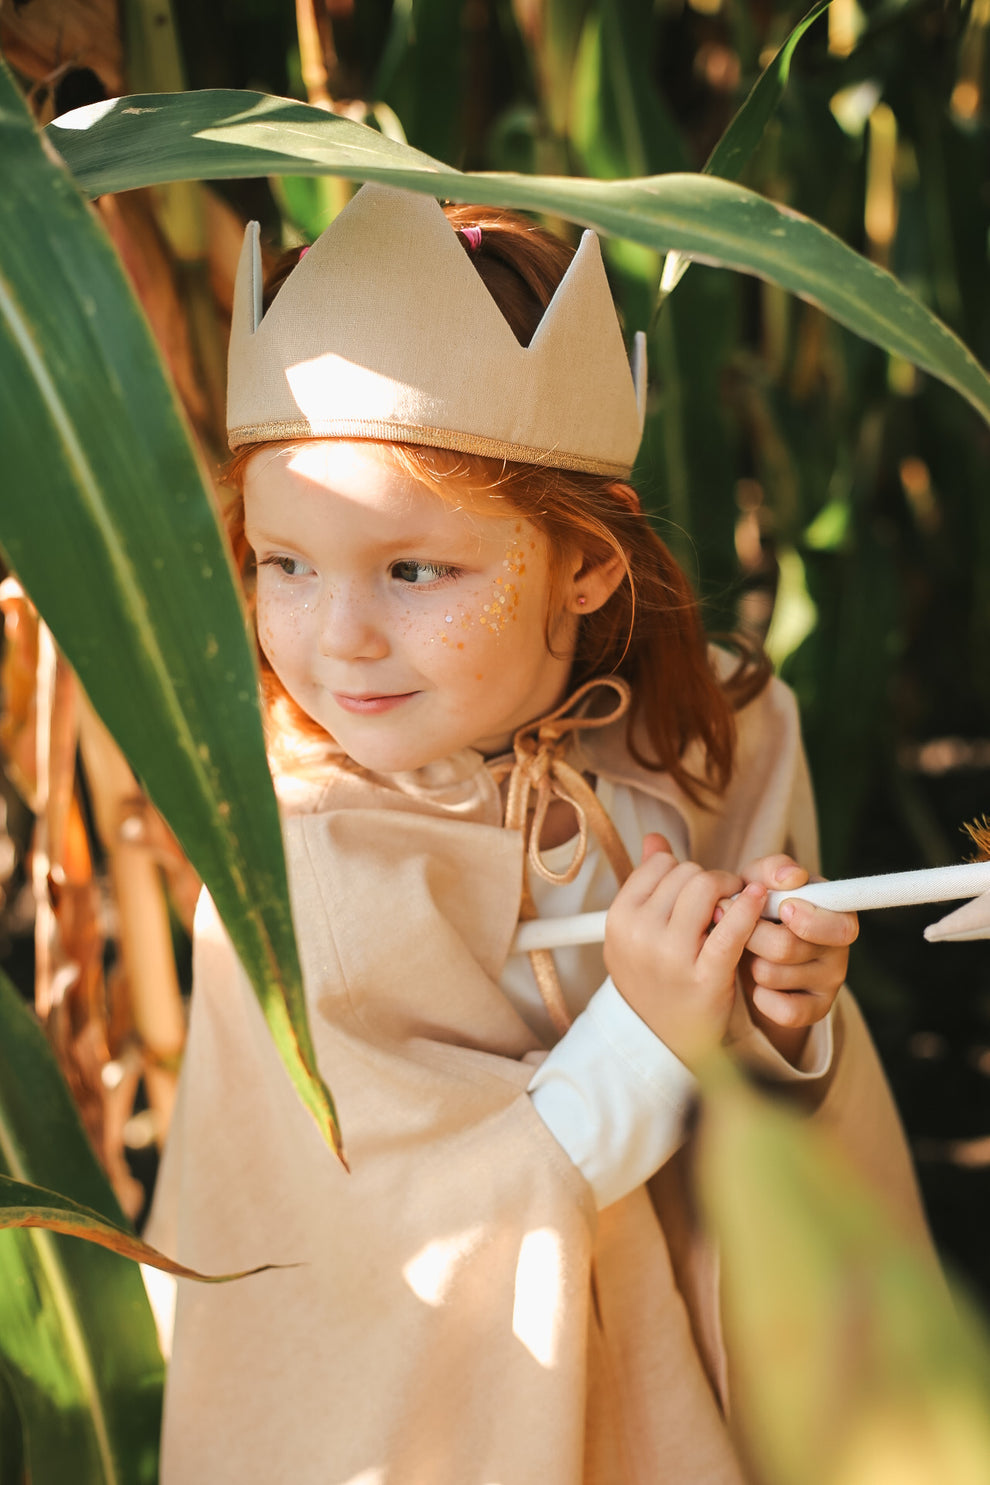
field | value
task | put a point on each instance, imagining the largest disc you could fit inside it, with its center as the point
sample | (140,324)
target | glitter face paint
(407,627)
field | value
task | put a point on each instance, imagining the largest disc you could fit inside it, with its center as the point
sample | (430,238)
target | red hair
(649,631)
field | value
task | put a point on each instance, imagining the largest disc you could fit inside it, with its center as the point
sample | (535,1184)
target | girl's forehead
(320,461)
(363,477)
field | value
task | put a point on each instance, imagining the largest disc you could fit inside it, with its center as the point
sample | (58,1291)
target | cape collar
(589,737)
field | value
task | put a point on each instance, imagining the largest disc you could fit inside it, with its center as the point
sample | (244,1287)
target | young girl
(488,693)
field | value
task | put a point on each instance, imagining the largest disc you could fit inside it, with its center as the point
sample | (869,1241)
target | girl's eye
(420,574)
(290,566)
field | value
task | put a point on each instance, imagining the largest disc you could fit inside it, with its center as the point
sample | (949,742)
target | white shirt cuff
(614,1096)
(757,1053)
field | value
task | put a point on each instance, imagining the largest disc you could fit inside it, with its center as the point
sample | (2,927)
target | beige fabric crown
(384,330)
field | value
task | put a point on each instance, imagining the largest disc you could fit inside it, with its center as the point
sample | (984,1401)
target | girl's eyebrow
(421,540)
(256,534)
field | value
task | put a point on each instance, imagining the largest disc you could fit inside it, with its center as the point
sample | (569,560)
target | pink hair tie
(473,237)
(303,252)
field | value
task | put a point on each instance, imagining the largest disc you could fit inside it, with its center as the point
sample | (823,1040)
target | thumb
(654,844)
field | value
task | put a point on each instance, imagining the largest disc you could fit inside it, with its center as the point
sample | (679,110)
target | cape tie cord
(539,769)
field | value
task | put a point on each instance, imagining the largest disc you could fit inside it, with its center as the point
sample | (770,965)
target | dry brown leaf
(46,37)
(18,671)
(224,236)
(129,217)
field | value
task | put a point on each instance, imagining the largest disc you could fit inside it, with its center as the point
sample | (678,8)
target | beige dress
(454,1311)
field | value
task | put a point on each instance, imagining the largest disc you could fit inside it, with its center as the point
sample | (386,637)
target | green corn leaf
(745,131)
(106,517)
(11,1435)
(78,1349)
(139,141)
(25,1205)
(746,128)
(851,1364)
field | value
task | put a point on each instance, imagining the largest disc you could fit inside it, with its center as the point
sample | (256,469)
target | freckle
(498,582)
(479,677)
(460,644)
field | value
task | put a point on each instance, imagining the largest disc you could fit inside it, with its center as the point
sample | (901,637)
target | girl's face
(407,627)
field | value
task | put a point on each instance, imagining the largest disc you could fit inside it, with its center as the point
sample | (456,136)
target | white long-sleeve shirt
(610,1091)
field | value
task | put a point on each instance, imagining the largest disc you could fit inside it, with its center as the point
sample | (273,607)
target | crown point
(257,274)
(638,364)
(249,284)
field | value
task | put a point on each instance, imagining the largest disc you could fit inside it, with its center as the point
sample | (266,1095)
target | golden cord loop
(540,770)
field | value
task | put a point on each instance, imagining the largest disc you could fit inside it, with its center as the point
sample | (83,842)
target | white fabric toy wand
(855,894)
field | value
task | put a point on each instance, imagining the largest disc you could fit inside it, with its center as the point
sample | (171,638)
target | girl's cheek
(279,626)
(479,618)
(264,627)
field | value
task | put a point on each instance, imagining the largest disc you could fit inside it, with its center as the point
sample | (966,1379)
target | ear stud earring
(581,600)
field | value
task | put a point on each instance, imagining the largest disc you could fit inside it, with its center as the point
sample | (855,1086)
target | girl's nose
(350,627)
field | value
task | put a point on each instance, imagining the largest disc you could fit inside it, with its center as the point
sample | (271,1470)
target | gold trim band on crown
(391,432)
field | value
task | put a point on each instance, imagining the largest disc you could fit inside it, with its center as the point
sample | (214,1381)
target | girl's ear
(590,585)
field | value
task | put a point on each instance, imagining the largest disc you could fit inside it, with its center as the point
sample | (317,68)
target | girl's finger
(792,1008)
(777,873)
(654,842)
(724,946)
(643,881)
(776,942)
(690,913)
(818,925)
(670,889)
(817,976)
(698,898)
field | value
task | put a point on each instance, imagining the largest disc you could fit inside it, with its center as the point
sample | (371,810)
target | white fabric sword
(971,879)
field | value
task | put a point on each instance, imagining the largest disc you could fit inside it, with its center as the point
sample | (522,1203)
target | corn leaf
(851,1365)
(138,141)
(745,131)
(78,1348)
(25,1205)
(746,128)
(106,517)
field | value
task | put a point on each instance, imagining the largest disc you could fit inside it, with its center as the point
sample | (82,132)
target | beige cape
(458,1313)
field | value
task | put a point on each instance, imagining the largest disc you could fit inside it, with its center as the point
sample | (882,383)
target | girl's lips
(370,705)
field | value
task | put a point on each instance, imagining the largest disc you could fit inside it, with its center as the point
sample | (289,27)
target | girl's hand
(677,971)
(792,971)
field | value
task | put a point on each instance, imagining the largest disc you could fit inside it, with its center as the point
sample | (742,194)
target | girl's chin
(399,754)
